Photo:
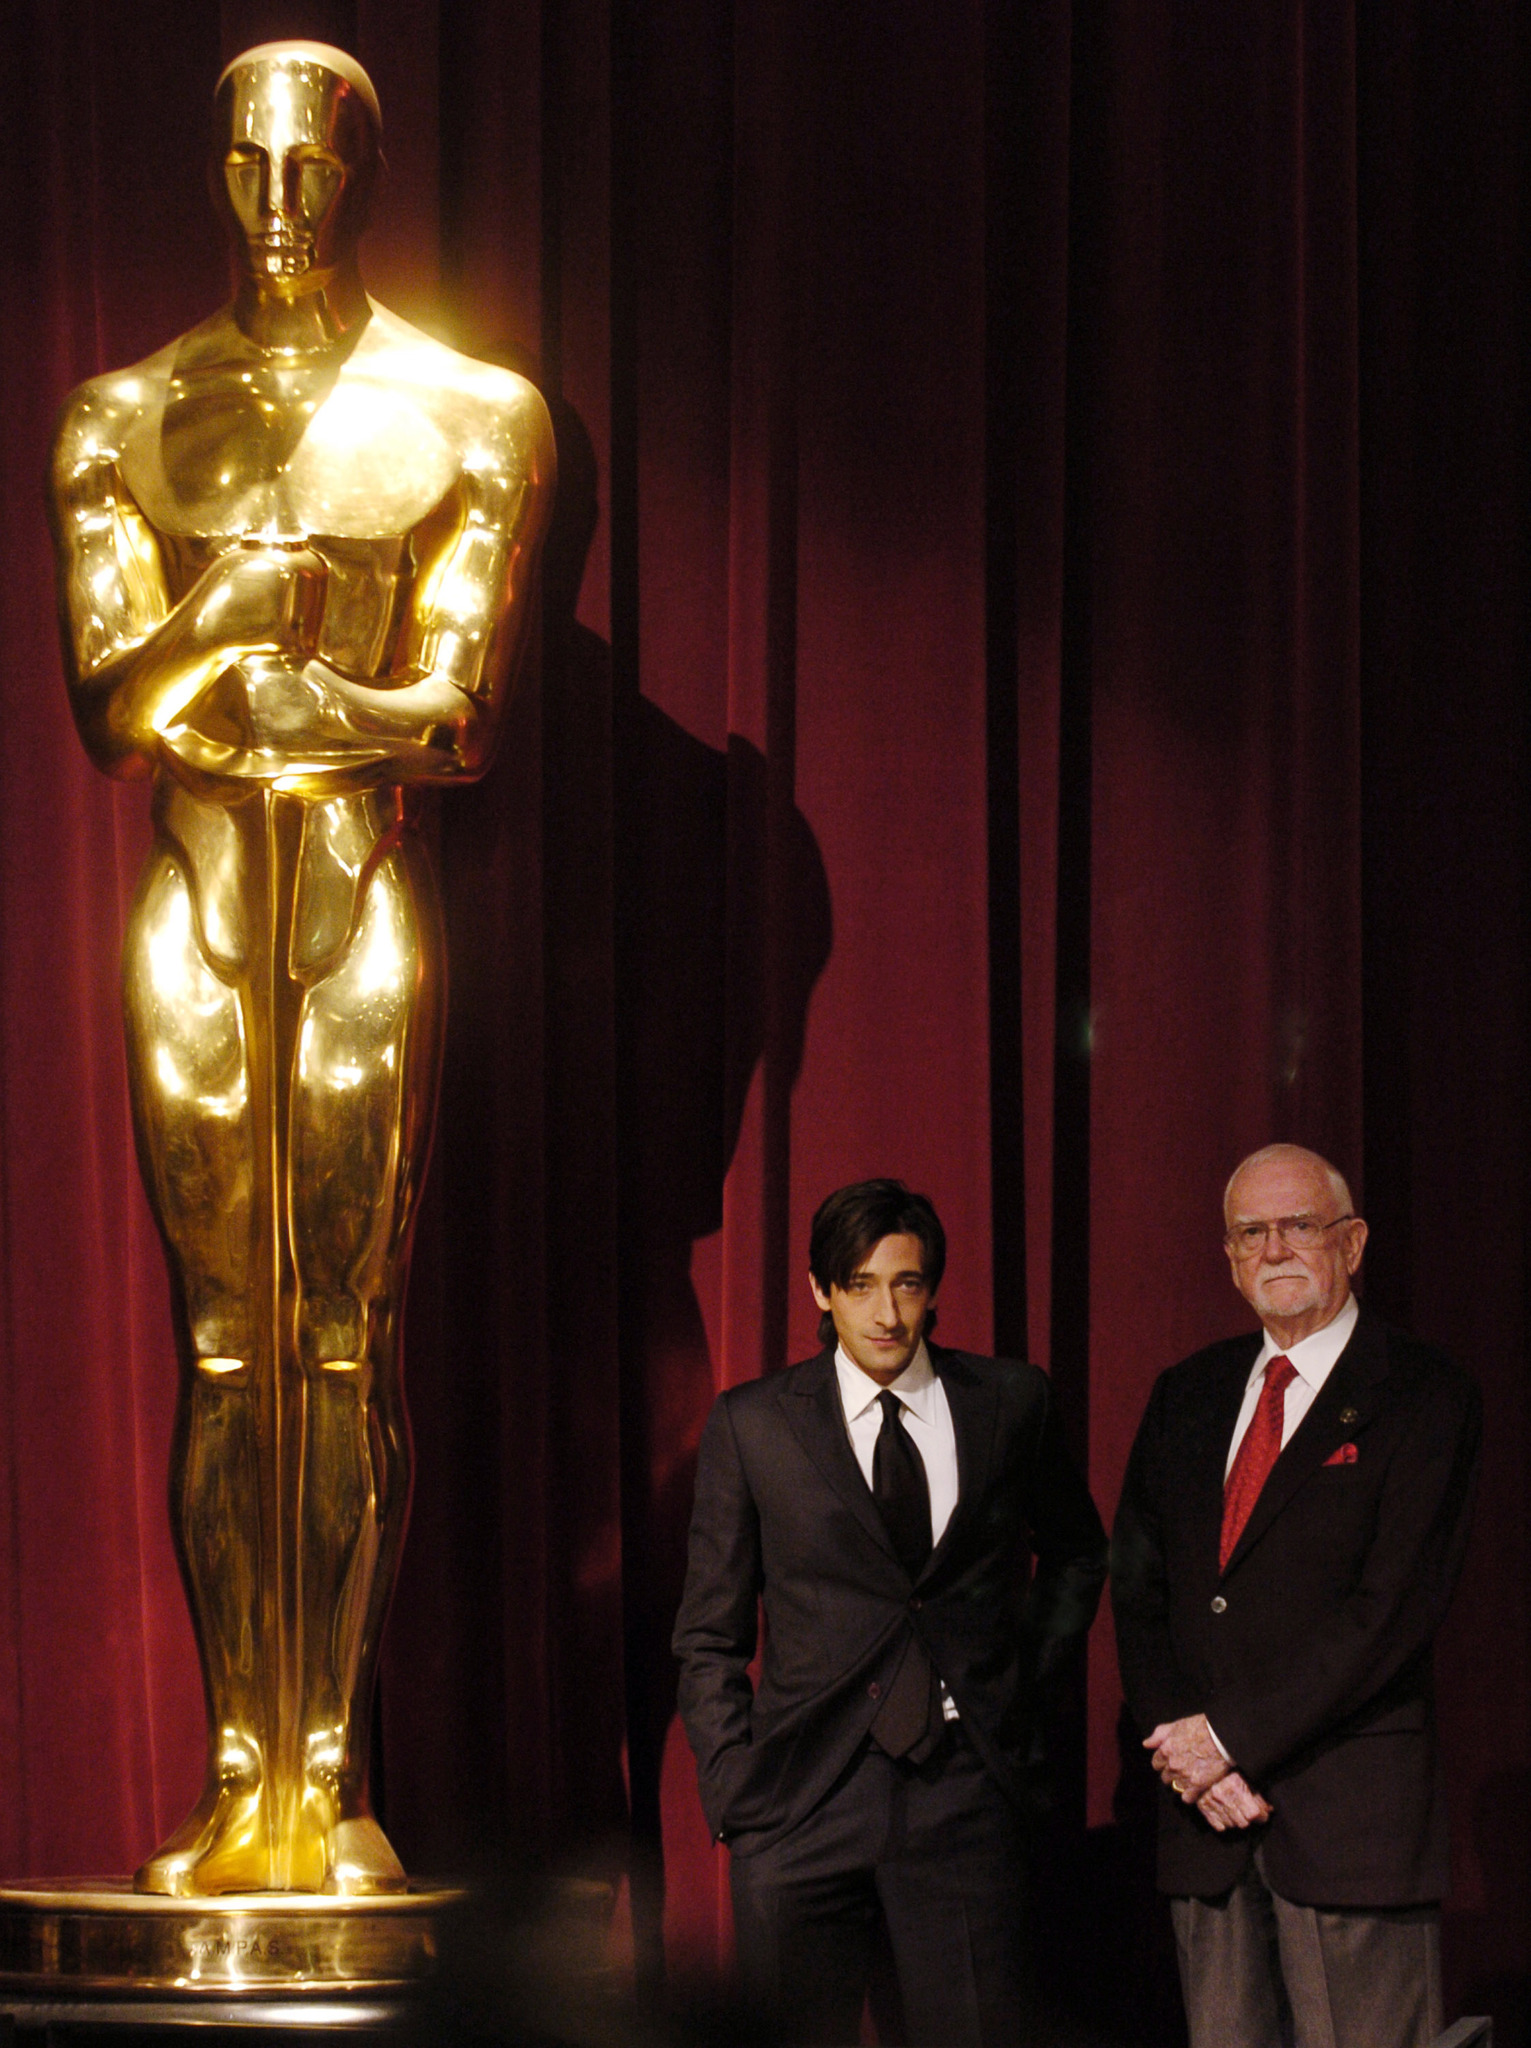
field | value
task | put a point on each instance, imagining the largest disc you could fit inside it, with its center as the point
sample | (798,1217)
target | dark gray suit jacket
(1310,1654)
(783,1516)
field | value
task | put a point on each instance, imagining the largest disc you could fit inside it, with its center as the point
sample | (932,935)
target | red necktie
(1257,1452)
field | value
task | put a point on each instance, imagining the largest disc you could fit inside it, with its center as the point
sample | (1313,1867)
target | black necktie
(900,1488)
(908,1722)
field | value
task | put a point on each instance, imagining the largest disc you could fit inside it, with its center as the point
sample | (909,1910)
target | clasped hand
(268,595)
(263,602)
(1191,1764)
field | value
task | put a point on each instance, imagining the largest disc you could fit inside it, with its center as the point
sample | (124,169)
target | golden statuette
(297,555)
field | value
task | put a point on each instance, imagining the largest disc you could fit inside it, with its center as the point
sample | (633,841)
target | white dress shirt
(1312,1360)
(927,1420)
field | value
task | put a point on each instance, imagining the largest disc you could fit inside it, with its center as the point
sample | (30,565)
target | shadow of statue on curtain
(710,854)
(607,892)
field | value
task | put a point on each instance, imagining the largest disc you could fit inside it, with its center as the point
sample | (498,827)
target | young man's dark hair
(848,1223)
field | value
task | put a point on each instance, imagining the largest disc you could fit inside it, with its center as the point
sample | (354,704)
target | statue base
(88,1938)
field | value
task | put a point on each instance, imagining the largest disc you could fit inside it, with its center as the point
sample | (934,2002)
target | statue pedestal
(87,1944)
(43,2022)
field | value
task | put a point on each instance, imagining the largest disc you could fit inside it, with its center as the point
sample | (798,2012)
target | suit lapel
(974,1404)
(817,1420)
(1345,1403)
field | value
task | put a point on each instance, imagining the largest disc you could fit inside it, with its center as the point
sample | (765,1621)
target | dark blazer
(1310,1654)
(783,1516)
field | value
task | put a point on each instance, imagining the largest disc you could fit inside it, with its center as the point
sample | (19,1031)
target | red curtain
(1032,699)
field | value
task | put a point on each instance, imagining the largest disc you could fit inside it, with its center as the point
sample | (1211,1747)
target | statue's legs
(189,1059)
(363,1094)
(283,1126)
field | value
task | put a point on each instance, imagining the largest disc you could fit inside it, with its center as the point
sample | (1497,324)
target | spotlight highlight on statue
(297,555)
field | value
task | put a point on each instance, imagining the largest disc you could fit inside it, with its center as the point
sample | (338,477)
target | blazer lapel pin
(1349,1417)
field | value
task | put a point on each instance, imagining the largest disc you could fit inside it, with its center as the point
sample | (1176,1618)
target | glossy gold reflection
(297,558)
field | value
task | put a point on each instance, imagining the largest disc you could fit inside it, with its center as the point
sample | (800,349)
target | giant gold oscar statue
(297,556)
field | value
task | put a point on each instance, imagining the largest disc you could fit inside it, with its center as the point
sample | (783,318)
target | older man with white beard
(1291,1528)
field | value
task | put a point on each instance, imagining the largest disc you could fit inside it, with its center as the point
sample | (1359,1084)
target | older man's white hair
(1339,1187)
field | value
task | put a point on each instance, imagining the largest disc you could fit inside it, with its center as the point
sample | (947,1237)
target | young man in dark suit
(1291,1528)
(884,1502)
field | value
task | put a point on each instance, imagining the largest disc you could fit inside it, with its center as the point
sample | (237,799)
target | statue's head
(295,157)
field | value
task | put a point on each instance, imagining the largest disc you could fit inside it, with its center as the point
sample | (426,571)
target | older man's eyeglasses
(1299,1233)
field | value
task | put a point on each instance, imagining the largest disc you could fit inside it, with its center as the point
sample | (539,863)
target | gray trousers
(1258,1971)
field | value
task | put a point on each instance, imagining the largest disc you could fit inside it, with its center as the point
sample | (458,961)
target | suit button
(916,1604)
(874,1691)
(1219,1604)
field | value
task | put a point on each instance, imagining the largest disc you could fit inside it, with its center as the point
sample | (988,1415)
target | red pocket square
(1345,1455)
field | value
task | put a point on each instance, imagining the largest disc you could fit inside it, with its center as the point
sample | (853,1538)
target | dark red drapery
(1033,700)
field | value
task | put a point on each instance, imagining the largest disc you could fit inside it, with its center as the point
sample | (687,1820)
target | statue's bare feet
(357,1860)
(361,1861)
(224,1843)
